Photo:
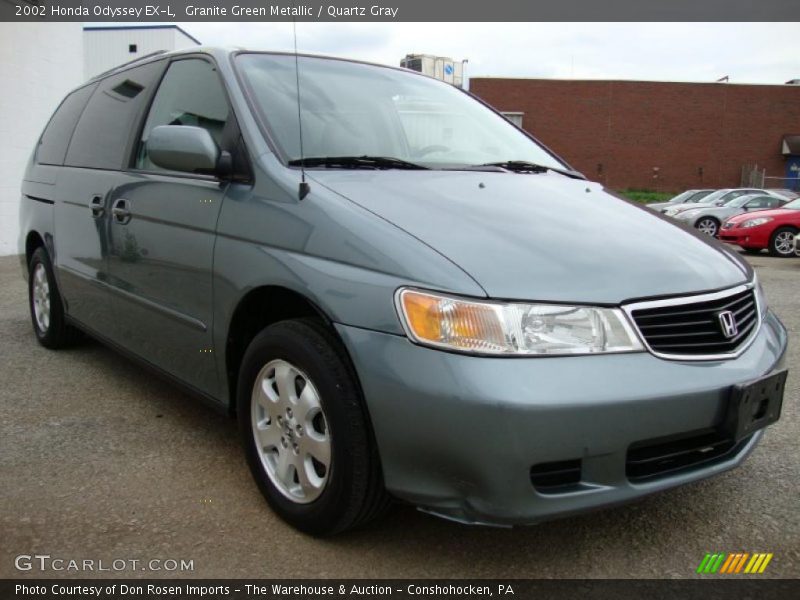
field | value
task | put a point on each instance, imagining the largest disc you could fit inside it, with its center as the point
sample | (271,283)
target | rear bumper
(458,435)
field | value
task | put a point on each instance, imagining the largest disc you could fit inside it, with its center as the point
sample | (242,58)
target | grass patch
(646,196)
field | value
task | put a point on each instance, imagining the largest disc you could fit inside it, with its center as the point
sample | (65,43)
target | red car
(771,229)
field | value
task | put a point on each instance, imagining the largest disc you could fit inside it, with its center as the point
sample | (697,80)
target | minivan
(398,293)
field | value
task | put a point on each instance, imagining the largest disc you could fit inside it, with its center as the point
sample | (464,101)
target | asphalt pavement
(100,460)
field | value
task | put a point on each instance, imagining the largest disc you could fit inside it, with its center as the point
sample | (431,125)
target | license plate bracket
(755,404)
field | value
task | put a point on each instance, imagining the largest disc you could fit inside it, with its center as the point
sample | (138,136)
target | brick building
(657,135)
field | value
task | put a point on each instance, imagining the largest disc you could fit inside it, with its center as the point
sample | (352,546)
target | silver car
(709,219)
(689,196)
(720,198)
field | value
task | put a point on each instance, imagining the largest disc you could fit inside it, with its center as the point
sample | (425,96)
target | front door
(162,236)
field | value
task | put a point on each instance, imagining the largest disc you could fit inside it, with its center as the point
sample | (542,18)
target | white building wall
(39,64)
(105,49)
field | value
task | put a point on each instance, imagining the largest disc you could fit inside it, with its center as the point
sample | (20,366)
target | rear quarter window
(53,143)
(101,138)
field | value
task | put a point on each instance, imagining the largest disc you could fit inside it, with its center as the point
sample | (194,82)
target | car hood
(775,213)
(542,236)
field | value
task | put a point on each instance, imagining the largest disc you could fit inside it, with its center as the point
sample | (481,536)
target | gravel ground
(101,460)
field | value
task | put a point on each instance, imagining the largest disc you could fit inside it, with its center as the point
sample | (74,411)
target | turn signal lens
(482,327)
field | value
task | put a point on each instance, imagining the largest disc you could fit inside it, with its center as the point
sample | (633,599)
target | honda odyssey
(386,282)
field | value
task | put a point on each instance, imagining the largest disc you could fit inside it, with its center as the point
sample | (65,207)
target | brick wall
(615,132)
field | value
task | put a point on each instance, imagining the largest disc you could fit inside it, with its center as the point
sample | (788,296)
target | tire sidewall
(295,343)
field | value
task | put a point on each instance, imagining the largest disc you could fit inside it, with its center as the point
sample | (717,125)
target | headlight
(755,222)
(500,328)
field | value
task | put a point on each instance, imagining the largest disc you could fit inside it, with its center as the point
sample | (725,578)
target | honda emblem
(727,322)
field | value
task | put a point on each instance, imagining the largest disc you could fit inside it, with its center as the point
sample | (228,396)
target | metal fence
(756,177)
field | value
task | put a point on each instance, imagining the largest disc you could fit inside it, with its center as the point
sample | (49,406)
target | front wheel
(781,243)
(305,430)
(708,225)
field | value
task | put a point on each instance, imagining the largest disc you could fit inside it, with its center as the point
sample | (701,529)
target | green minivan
(397,292)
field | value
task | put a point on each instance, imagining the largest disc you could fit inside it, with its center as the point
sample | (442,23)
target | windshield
(714,196)
(793,205)
(682,197)
(353,109)
(699,196)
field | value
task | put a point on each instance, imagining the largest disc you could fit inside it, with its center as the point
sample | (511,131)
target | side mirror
(183,148)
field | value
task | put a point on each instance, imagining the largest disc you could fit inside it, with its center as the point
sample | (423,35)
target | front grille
(652,459)
(694,328)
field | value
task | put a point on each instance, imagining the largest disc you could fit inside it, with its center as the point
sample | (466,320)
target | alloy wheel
(784,243)
(290,431)
(708,226)
(41,298)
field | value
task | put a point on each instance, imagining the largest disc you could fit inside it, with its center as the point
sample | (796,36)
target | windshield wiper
(523,166)
(355,162)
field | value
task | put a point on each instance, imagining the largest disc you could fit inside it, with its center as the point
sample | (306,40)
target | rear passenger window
(190,94)
(101,138)
(54,141)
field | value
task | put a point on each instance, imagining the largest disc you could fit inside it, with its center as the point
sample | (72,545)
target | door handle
(97,206)
(120,211)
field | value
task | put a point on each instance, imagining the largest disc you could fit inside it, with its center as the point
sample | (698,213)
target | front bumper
(458,434)
(752,237)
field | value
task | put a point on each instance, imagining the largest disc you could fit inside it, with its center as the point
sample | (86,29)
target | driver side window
(190,94)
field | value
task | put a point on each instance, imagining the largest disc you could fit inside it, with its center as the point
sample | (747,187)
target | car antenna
(304,189)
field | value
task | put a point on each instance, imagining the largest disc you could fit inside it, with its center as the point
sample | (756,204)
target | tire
(708,225)
(781,242)
(46,306)
(317,380)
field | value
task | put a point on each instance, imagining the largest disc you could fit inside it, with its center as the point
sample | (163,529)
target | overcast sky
(747,52)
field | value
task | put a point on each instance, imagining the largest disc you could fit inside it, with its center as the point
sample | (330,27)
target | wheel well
(32,242)
(260,308)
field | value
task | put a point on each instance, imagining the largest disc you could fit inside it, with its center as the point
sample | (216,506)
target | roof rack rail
(127,64)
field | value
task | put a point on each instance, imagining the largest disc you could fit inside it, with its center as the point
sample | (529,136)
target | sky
(702,52)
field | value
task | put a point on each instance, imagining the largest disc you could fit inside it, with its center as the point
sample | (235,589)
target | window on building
(190,94)
(132,48)
(514,117)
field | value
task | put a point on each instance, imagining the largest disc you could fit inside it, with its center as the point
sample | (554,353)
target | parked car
(789,194)
(397,306)
(719,198)
(687,196)
(797,245)
(708,219)
(771,229)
